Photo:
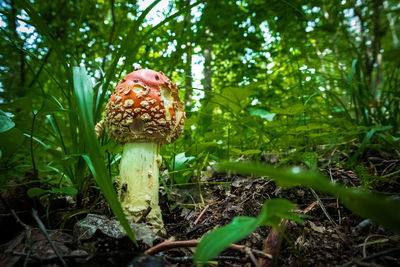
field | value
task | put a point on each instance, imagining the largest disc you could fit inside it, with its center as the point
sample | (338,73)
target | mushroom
(144,112)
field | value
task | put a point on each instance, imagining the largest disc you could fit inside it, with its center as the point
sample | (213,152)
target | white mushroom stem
(138,182)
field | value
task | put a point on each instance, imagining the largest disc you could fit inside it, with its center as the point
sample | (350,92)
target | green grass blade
(84,95)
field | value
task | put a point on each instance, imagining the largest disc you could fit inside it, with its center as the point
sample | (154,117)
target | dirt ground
(332,236)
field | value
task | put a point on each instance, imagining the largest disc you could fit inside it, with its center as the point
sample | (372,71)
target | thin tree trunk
(207,68)
(188,66)
(188,80)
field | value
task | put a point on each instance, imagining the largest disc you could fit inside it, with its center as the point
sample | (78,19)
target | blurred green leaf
(70,191)
(246,152)
(291,110)
(262,114)
(11,141)
(5,122)
(181,163)
(234,98)
(36,191)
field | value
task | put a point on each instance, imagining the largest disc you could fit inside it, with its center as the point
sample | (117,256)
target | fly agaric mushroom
(144,112)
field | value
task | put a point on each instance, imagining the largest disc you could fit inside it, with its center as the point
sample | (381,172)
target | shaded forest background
(307,82)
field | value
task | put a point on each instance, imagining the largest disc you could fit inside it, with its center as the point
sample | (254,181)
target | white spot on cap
(145,117)
(128,103)
(118,116)
(144,104)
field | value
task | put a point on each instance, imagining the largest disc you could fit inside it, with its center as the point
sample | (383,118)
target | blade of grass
(84,96)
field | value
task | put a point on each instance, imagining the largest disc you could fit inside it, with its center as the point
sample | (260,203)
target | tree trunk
(207,68)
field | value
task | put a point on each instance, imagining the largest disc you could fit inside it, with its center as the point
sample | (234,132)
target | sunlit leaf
(262,114)
(291,110)
(5,122)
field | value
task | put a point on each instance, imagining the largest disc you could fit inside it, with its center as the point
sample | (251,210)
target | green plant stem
(35,171)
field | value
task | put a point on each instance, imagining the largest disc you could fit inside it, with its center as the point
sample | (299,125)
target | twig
(53,257)
(166,245)
(252,258)
(364,247)
(28,255)
(27,235)
(381,253)
(323,208)
(44,231)
(27,227)
(310,207)
(201,214)
(256,252)
(370,257)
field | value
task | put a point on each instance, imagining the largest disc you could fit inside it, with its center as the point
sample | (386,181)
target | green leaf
(363,203)
(181,163)
(273,211)
(70,191)
(262,114)
(36,191)
(291,110)
(84,97)
(366,141)
(251,152)
(10,141)
(216,241)
(234,98)
(5,122)
(237,151)
(246,152)
(38,140)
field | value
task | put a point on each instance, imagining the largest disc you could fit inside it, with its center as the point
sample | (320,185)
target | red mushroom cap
(145,107)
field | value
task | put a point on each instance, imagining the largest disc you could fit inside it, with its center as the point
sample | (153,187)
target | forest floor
(331,236)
